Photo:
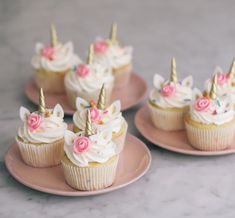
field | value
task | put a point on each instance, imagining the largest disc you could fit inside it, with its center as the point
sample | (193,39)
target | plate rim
(79,193)
(174,149)
(70,112)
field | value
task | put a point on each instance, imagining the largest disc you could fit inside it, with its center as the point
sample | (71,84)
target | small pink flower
(81,144)
(34,121)
(82,70)
(168,90)
(100,47)
(202,104)
(95,115)
(48,52)
(221,78)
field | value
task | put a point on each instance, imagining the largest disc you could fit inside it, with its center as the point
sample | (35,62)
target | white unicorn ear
(24,112)
(107,134)
(69,46)
(158,81)
(81,104)
(115,107)
(218,70)
(207,85)
(69,137)
(58,111)
(38,47)
(188,81)
(196,93)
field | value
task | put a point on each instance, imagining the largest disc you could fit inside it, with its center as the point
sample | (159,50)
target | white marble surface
(200,34)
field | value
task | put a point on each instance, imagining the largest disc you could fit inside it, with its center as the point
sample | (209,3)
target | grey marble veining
(200,34)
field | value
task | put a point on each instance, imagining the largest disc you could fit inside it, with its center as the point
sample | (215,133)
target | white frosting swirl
(97,76)
(111,118)
(220,112)
(51,129)
(115,56)
(101,149)
(63,58)
(181,98)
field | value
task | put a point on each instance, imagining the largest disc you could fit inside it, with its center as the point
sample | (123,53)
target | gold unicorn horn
(231,71)
(213,90)
(102,97)
(113,33)
(90,54)
(173,71)
(42,105)
(88,128)
(54,38)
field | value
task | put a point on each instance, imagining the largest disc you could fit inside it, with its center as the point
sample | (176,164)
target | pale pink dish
(175,141)
(131,95)
(134,162)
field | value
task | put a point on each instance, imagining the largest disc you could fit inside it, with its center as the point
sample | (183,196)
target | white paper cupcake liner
(90,178)
(210,139)
(166,119)
(120,139)
(43,155)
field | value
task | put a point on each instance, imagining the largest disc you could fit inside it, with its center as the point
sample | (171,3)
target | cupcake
(110,53)
(225,86)
(210,122)
(51,63)
(41,138)
(169,100)
(90,161)
(102,117)
(85,80)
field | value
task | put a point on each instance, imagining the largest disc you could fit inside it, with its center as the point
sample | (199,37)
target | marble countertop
(199,34)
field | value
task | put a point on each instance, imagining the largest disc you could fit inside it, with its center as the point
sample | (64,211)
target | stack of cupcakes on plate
(208,117)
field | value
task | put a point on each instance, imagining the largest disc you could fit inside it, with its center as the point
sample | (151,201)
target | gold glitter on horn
(113,33)
(231,71)
(213,88)
(90,54)
(102,97)
(173,71)
(42,105)
(54,38)
(88,128)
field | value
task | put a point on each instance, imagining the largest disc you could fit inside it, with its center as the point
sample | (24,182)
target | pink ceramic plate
(174,141)
(134,162)
(130,95)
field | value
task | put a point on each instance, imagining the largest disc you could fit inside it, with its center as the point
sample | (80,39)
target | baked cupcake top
(225,86)
(109,52)
(55,57)
(171,93)
(42,126)
(89,77)
(101,116)
(209,109)
(88,146)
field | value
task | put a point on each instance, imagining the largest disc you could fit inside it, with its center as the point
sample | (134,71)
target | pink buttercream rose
(221,78)
(81,144)
(168,90)
(202,104)
(100,47)
(95,115)
(34,121)
(48,52)
(82,70)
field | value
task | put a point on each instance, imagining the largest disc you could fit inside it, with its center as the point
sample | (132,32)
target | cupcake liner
(120,139)
(51,82)
(91,177)
(122,75)
(43,155)
(210,139)
(94,95)
(168,120)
